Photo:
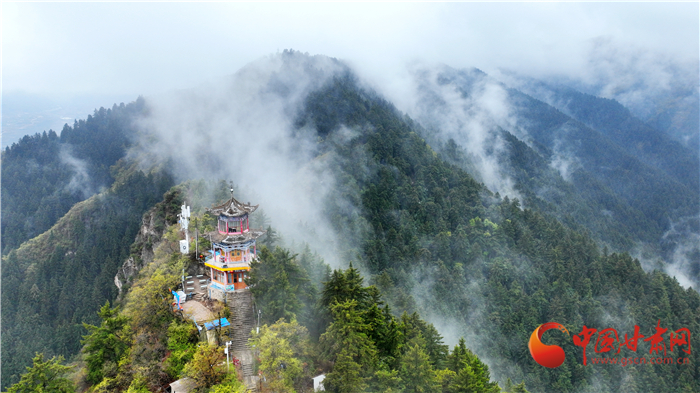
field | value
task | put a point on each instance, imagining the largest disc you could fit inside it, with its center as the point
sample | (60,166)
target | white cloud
(243,130)
(58,48)
(467,107)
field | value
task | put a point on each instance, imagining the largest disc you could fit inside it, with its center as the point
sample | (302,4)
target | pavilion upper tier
(233,208)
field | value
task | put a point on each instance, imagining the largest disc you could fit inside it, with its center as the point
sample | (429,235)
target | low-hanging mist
(469,108)
(336,165)
(243,130)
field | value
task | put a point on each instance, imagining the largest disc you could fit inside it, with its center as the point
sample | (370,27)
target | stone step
(243,321)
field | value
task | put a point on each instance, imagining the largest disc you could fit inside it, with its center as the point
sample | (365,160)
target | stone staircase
(242,323)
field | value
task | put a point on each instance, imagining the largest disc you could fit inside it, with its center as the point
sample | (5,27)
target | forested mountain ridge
(44,175)
(628,183)
(678,117)
(490,267)
(436,240)
(646,143)
(668,104)
(55,281)
(649,191)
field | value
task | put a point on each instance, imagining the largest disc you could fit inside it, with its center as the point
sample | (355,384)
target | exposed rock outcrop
(154,224)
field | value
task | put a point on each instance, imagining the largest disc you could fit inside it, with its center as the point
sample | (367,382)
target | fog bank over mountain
(480,207)
(659,89)
(242,129)
(169,46)
(490,166)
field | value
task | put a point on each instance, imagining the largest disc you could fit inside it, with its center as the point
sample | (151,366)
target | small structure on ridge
(233,247)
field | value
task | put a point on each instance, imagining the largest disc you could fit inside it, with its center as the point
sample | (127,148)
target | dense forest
(44,175)
(490,266)
(586,160)
(56,281)
(438,248)
(81,209)
(315,320)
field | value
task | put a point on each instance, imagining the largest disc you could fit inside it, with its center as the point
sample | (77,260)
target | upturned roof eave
(228,239)
(233,208)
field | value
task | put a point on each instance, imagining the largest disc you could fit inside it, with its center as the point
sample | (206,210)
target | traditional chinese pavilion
(233,247)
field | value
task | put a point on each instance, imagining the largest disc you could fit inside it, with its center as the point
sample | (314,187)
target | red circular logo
(551,356)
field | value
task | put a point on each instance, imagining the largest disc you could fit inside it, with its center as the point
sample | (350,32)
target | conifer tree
(346,376)
(416,372)
(276,281)
(471,374)
(347,344)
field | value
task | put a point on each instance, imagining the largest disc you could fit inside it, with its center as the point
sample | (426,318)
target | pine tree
(346,376)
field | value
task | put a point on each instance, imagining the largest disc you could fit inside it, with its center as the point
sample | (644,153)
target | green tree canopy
(277,282)
(282,349)
(208,366)
(347,344)
(106,343)
(44,376)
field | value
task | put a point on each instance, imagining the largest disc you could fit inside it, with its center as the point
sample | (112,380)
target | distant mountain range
(489,209)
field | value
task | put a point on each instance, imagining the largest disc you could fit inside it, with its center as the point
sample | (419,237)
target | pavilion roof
(233,208)
(231,240)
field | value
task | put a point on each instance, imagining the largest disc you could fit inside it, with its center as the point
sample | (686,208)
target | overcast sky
(60,51)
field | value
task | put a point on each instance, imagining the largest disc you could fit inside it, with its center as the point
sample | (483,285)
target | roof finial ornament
(231,189)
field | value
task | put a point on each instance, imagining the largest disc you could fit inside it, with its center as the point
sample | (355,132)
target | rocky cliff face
(154,224)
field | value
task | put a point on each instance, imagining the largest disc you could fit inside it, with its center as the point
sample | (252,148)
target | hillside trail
(242,323)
